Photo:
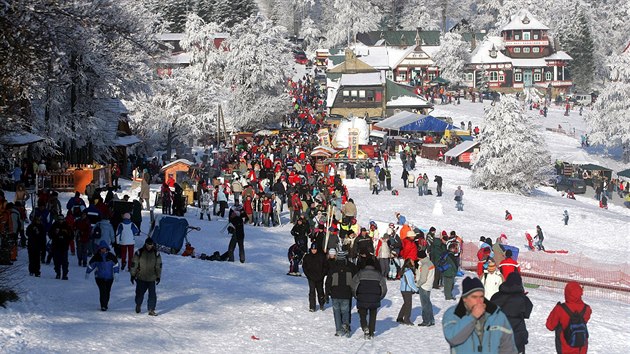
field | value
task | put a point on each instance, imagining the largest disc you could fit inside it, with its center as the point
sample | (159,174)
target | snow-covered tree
(352,17)
(163,116)
(230,12)
(610,118)
(512,155)
(452,57)
(257,66)
(87,52)
(419,14)
(311,34)
(575,39)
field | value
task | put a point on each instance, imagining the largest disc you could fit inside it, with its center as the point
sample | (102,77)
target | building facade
(523,56)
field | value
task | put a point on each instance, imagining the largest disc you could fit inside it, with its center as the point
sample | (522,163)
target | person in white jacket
(491,279)
(125,238)
(424,280)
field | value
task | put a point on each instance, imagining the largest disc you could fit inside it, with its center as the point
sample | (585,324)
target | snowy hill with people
(255,307)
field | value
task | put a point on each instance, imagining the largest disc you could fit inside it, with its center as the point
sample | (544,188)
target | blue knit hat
(470,285)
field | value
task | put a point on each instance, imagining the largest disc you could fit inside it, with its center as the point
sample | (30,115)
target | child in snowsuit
(206,200)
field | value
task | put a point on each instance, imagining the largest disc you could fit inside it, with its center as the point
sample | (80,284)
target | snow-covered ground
(222,307)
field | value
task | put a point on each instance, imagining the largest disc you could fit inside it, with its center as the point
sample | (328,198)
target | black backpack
(96,232)
(576,333)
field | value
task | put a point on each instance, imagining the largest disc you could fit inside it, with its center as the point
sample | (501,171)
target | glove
(133,280)
(87,276)
(157,281)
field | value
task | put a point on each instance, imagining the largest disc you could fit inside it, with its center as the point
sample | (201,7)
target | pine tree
(512,155)
(228,13)
(311,34)
(576,40)
(452,57)
(610,118)
(419,14)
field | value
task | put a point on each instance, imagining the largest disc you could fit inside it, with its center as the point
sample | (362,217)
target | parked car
(581,99)
(576,185)
(300,56)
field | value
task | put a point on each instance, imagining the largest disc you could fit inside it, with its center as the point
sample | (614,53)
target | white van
(582,99)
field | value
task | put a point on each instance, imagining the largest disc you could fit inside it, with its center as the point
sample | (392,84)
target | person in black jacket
(339,288)
(60,236)
(315,267)
(36,234)
(517,307)
(236,217)
(299,232)
(364,243)
(438,180)
(369,287)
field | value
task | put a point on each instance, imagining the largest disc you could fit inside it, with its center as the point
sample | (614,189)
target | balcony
(532,42)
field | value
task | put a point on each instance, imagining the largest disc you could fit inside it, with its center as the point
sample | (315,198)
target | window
(517,37)
(517,49)
(431,76)
(369,95)
(361,93)
(525,49)
(469,77)
(354,93)
(536,50)
(518,77)
(346,96)
(548,76)
(535,35)
(525,36)
(402,76)
(494,76)
(389,75)
(537,77)
(501,78)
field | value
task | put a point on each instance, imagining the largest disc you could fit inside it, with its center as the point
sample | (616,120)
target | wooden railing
(60,181)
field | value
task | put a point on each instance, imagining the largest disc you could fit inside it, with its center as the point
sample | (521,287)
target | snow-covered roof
(461,148)
(126,140)
(408,101)
(170,36)
(398,120)
(184,161)
(382,57)
(19,139)
(524,20)
(559,55)
(362,79)
(529,63)
(179,58)
(481,55)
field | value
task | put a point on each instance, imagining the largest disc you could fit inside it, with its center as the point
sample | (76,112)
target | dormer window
(493,52)
(525,20)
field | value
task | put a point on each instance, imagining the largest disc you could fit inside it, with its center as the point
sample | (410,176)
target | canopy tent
(323,151)
(412,122)
(127,140)
(20,139)
(461,148)
(593,167)
(398,120)
(578,157)
(427,124)
(265,132)
(624,173)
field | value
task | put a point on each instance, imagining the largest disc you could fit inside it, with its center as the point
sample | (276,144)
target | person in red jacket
(249,210)
(266,210)
(409,248)
(508,265)
(508,216)
(558,319)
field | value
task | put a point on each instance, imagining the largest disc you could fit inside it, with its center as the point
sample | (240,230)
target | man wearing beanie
(146,270)
(424,281)
(315,267)
(477,325)
(338,287)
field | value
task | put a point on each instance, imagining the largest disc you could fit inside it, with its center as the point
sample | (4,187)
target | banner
(353,143)
(324,137)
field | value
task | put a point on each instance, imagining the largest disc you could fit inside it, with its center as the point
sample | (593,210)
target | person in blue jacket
(407,289)
(106,265)
(476,325)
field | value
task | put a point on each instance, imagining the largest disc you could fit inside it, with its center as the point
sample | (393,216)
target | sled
(530,242)
(170,233)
